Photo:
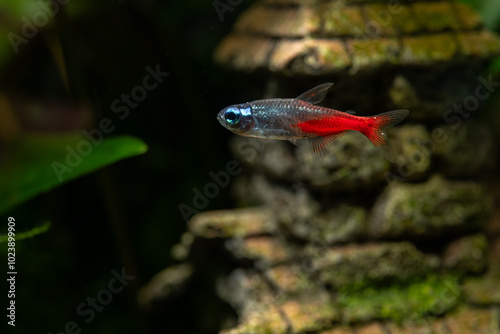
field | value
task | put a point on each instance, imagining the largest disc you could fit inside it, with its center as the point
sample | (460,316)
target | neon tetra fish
(301,119)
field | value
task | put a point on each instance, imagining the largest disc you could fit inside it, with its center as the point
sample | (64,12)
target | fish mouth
(220,118)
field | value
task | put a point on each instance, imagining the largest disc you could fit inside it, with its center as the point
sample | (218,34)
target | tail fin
(377,132)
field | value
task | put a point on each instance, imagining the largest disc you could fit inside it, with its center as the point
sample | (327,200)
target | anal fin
(319,144)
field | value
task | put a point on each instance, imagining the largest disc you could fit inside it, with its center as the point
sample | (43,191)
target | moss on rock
(426,50)
(341,223)
(342,22)
(435,16)
(433,208)
(368,264)
(458,154)
(344,165)
(399,302)
(410,146)
(466,255)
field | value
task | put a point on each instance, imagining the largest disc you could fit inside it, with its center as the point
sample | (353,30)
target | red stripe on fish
(333,124)
(373,127)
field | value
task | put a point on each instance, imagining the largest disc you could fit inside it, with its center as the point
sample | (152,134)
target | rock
(431,209)
(290,279)
(310,313)
(483,290)
(493,226)
(273,158)
(344,166)
(413,325)
(329,250)
(268,320)
(467,254)
(307,56)
(293,303)
(293,206)
(469,18)
(339,330)
(263,311)
(323,39)
(373,328)
(410,144)
(246,291)
(295,209)
(350,21)
(432,95)
(375,263)
(417,49)
(181,250)
(256,58)
(255,189)
(403,95)
(482,321)
(372,54)
(489,43)
(288,22)
(340,224)
(232,223)
(266,250)
(435,17)
(467,150)
(399,302)
(165,285)
(494,253)
(301,215)
(479,321)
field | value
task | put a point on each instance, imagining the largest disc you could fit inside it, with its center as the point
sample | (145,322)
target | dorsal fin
(315,95)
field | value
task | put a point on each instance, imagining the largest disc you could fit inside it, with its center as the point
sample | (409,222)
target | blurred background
(63,73)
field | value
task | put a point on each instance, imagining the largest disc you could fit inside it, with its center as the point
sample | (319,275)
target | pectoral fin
(315,95)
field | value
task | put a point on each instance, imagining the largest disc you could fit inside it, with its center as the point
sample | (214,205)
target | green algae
(431,296)
(365,265)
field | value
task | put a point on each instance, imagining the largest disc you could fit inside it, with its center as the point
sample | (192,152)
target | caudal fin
(377,133)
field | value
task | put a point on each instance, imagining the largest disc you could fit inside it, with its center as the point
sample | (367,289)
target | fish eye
(232,116)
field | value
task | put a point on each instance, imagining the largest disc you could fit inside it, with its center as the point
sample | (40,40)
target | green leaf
(28,234)
(37,163)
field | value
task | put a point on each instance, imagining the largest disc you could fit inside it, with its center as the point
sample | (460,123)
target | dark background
(125,215)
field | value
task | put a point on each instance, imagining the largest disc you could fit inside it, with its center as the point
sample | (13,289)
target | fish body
(298,119)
